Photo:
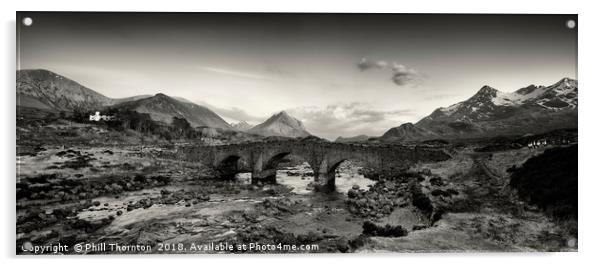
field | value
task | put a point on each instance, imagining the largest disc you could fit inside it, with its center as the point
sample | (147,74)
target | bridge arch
(333,167)
(267,171)
(326,176)
(273,160)
(227,165)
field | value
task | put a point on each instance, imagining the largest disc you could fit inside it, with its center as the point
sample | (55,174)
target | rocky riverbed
(131,196)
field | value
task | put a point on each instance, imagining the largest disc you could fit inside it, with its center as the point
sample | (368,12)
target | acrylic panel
(202,133)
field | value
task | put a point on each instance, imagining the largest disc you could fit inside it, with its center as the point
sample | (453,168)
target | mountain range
(529,110)
(43,89)
(490,112)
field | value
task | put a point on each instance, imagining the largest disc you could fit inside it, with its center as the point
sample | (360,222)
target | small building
(98,117)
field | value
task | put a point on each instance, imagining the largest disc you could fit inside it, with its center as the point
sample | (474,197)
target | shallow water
(298,178)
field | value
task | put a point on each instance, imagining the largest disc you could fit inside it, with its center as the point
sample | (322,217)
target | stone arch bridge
(262,158)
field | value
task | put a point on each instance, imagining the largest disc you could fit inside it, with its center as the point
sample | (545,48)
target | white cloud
(348,119)
(402,75)
(233,114)
(366,64)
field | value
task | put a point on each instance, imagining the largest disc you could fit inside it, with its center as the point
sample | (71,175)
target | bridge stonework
(262,158)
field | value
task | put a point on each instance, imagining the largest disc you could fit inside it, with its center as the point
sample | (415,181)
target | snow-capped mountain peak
(487,90)
(529,109)
(551,97)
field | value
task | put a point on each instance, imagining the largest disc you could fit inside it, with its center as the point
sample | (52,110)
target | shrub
(372,229)
(550,181)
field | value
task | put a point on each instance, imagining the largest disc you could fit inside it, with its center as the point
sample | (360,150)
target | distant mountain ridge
(532,109)
(353,139)
(280,124)
(242,126)
(131,98)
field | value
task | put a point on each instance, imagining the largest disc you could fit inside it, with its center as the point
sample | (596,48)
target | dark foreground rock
(380,200)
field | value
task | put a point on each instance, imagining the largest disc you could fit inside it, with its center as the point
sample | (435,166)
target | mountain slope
(131,98)
(532,109)
(405,132)
(44,89)
(163,108)
(280,124)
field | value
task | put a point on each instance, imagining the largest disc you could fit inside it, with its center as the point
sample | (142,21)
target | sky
(340,74)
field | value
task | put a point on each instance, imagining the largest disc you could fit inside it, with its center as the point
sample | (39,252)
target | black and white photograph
(295,133)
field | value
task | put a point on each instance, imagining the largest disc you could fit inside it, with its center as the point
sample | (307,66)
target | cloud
(401,75)
(348,119)
(235,114)
(236,73)
(278,71)
(366,64)
(332,121)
